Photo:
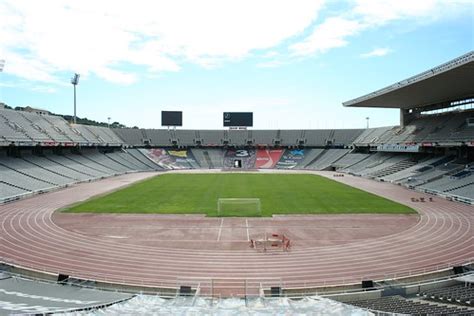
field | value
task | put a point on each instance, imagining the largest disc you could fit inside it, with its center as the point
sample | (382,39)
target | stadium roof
(451,81)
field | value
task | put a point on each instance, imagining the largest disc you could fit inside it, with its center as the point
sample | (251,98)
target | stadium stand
(209,158)
(127,160)
(316,137)
(263,137)
(18,121)
(34,171)
(131,136)
(23,296)
(36,174)
(291,137)
(398,304)
(211,137)
(349,160)
(310,155)
(329,157)
(158,137)
(44,162)
(9,192)
(143,304)
(142,158)
(186,137)
(462,294)
(21,180)
(101,169)
(237,137)
(63,127)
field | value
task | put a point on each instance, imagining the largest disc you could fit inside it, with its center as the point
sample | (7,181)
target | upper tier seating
(447,127)
(25,127)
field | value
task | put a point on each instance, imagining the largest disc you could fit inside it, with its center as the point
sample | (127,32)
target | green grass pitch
(278,193)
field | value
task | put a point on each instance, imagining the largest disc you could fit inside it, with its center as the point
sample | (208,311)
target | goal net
(249,207)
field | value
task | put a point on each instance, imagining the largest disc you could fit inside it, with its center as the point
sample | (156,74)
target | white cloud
(335,31)
(377,52)
(43,38)
(331,33)
(44,89)
(270,64)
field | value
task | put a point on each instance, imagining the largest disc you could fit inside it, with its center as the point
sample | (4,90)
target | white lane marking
(220,230)
(247,226)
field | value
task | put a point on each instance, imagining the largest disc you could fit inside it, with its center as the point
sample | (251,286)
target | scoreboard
(171,118)
(238,119)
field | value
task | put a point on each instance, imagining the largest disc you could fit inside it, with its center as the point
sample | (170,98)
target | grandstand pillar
(402,117)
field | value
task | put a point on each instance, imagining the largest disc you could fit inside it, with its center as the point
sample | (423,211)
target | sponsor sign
(170,159)
(399,148)
(237,153)
(291,158)
(268,158)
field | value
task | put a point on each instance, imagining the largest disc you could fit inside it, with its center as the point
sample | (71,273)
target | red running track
(30,238)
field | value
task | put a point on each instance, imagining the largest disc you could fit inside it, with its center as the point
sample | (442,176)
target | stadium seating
(264,137)
(186,137)
(398,304)
(291,137)
(131,136)
(211,137)
(37,174)
(19,122)
(446,127)
(34,171)
(349,160)
(158,137)
(144,160)
(327,158)
(238,137)
(309,156)
(458,294)
(209,158)
(315,137)
(24,296)
(9,192)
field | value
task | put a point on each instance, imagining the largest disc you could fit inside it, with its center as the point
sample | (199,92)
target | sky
(292,63)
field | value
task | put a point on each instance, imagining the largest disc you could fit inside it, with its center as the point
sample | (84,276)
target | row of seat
(443,128)
(31,128)
(398,304)
(37,174)
(458,294)
(165,137)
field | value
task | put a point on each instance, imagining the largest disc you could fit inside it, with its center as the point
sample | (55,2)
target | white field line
(247,226)
(220,230)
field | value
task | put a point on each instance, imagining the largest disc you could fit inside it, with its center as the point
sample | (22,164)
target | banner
(170,159)
(237,153)
(291,158)
(399,148)
(268,158)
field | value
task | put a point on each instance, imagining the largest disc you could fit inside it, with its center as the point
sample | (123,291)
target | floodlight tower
(75,82)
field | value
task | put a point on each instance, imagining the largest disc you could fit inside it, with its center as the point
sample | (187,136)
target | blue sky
(292,63)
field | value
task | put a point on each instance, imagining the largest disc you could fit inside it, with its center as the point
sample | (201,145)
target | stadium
(396,216)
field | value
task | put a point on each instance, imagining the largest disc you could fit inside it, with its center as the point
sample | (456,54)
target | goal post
(250,207)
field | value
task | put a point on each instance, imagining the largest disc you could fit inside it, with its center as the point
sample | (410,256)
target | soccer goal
(250,207)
